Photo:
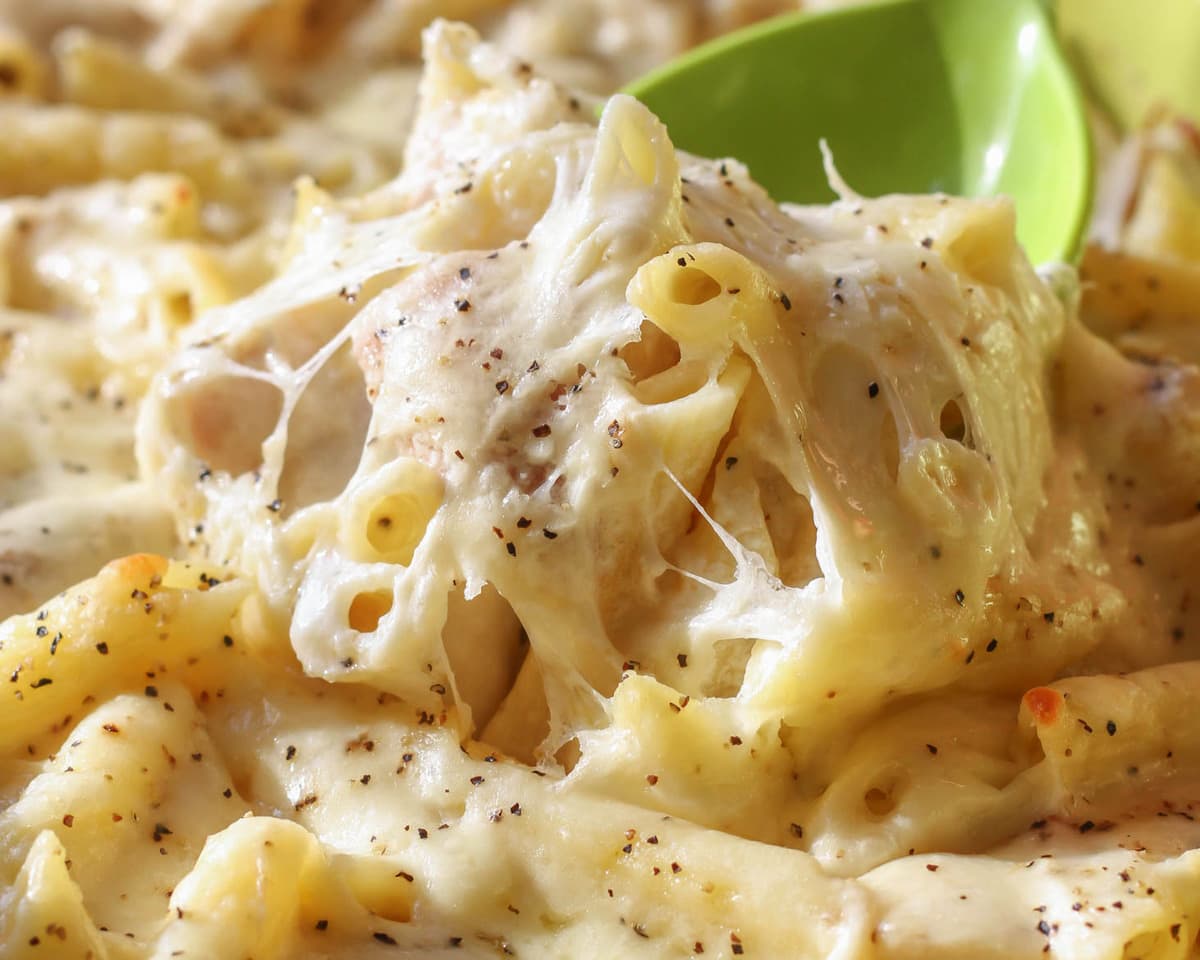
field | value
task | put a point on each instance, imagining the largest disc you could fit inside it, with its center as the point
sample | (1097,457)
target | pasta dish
(517,537)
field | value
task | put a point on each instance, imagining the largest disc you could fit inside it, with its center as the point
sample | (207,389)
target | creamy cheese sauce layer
(577,553)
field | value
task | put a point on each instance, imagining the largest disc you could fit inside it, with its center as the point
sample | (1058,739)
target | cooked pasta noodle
(581,554)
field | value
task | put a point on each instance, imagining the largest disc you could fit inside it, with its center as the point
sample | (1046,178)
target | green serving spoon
(1135,57)
(968,97)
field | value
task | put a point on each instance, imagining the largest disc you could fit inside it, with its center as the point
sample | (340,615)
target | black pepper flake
(729,221)
(151,690)
(1086,826)
(385,938)
(524,523)
(935,552)
(502,387)
(227,640)
(682,261)
(227,793)
(511,548)
(965,341)
(797,831)
(541,430)
(515,810)
(290,753)
(1111,727)
(464,273)
(628,848)
(681,659)
(872,389)
(549,534)
(992,644)
(1175,931)
(476,780)
(1048,616)
(422,833)
(787,303)
(102,648)
(1043,928)
(161,830)
(44,682)
(927,242)
(275,505)
(462,306)
(931,748)
(322,924)
(41,631)
(959,597)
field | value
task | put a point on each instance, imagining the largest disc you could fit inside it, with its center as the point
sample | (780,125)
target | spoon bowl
(968,97)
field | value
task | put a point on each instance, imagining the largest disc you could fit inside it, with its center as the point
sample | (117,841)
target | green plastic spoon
(963,96)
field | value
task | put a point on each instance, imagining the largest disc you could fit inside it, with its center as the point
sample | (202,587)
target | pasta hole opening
(882,799)
(396,526)
(692,286)
(879,803)
(367,609)
(654,352)
(223,421)
(954,426)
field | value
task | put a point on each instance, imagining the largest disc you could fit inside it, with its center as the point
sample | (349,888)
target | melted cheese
(589,556)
